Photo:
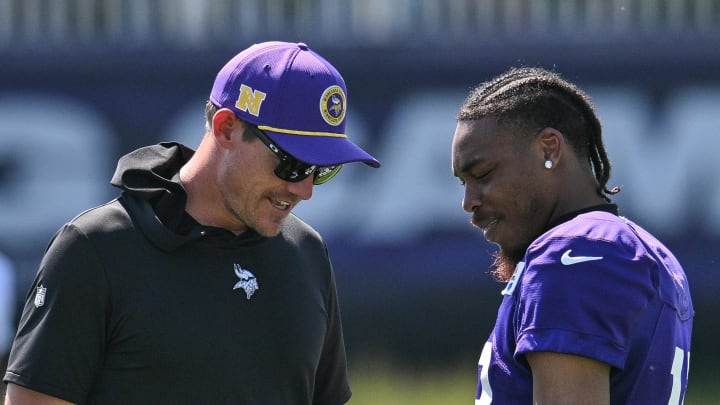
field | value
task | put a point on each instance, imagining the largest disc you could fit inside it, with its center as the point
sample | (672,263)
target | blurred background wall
(83,82)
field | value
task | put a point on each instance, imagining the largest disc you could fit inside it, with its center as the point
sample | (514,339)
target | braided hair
(527,100)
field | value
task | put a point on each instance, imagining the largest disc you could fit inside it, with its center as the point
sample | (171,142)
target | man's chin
(269,229)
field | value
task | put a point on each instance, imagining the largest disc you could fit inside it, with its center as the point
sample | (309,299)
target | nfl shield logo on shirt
(40,296)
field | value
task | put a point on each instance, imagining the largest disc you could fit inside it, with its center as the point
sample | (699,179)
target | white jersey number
(676,372)
(483,365)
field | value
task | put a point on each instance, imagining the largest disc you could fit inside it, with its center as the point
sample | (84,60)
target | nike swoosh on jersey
(567,260)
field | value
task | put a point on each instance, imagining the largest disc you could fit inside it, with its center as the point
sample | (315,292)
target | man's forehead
(483,133)
(477,141)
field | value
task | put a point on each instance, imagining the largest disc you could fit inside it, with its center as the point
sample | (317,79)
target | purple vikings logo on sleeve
(332,105)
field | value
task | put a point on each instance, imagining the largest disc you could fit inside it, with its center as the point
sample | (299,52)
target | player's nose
(471,200)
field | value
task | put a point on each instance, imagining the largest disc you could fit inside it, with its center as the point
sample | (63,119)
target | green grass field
(380,384)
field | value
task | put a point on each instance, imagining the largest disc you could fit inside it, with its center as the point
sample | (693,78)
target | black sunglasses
(294,170)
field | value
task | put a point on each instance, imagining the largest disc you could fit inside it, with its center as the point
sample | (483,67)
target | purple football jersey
(601,287)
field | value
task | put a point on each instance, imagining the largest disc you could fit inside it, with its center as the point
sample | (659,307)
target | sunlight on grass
(377,383)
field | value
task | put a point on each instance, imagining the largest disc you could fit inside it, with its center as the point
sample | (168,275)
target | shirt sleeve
(61,336)
(586,307)
(331,383)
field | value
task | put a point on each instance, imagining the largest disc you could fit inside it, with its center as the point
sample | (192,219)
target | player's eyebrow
(468,165)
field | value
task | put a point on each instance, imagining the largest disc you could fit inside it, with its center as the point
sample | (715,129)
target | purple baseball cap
(295,96)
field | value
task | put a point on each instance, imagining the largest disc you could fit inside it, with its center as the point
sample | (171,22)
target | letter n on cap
(250,100)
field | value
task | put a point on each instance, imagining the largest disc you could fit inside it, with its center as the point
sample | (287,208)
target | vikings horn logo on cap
(332,105)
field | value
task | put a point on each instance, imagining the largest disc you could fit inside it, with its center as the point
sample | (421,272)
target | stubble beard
(505,260)
(245,220)
(268,227)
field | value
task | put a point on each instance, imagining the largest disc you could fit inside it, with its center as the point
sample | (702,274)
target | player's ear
(224,123)
(551,144)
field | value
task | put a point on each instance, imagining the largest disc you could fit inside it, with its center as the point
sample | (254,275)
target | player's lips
(484,223)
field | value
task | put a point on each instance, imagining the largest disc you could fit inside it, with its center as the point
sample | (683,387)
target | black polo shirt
(125,310)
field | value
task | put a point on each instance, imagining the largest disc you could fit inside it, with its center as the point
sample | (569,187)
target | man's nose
(471,200)
(303,188)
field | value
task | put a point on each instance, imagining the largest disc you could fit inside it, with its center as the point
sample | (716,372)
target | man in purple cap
(197,285)
(595,310)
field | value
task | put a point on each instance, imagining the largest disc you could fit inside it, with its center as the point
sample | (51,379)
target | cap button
(302,46)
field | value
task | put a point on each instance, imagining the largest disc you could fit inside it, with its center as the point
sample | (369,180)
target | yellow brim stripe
(303,133)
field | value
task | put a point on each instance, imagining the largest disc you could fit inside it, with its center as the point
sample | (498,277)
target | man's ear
(224,123)
(552,144)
